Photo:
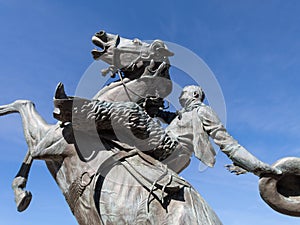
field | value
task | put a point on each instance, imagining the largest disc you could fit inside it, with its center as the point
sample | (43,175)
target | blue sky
(252,47)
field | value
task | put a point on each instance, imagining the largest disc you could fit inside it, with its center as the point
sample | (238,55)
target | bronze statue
(131,147)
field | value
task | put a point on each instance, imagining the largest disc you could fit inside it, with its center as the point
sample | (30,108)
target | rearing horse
(110,194)
(107,196)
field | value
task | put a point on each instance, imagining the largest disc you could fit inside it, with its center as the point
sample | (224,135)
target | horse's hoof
(23,200)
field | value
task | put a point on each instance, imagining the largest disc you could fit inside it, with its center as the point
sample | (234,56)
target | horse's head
(144,67)
(129,56)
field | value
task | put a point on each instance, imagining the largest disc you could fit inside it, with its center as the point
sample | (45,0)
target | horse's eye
(137,41)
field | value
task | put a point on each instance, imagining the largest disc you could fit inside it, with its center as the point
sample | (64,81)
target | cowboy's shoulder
(205,111)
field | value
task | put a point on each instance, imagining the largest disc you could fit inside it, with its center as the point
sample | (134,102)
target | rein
(128,89)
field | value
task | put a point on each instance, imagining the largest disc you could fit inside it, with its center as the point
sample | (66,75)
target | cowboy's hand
(152,105)
(235,169)
(261,171)
(267,170)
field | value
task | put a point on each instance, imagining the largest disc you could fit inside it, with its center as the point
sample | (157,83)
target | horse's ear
(117,40)
(60,92)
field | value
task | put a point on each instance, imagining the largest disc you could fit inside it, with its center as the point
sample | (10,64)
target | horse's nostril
(102,35)
(102,32)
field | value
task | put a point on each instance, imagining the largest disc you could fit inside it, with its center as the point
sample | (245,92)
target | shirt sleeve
(216,130)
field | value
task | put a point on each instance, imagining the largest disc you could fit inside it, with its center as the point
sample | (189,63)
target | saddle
(156,177)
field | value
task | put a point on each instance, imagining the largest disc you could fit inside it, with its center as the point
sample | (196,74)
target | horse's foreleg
(22,197)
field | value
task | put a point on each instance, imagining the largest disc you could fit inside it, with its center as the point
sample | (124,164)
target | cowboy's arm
(237,153)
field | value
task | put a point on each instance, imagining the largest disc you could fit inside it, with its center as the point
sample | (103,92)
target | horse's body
(112,197)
